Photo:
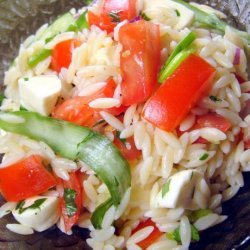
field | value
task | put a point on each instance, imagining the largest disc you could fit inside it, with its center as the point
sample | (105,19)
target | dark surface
(20,18)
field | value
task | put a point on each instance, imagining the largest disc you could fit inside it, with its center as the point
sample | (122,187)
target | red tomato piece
(62,54)
(129,152)
(140,60)
(213,120)
(155,235)
(111,13)
(25,179)
(181,91)
(77,110)
(74,184)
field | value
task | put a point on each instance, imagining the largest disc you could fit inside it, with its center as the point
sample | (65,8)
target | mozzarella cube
(40,218)
(186,15)
(179,191)
(39,93)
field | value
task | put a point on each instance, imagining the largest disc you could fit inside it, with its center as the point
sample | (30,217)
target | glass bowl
(20,18)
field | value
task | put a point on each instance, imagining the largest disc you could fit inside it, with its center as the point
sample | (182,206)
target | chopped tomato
(140,58)
(62,54)
(127,148)
(111,13)
(213,120)
(77,110)
(155,235)
(181,91)
(73,184)
(25,179)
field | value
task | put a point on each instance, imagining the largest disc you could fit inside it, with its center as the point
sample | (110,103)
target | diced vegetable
(1,98)
(74,142)
(111,13)
(71,202)
(174,64)
(182,45)
(39,93)
(140,60)
(25,179)
(156,234)
(211,21)
(62,54)
(196,215)
(127,148)
(62,24)
(213,120)
(169,105)
(178,190)
(39,212)
(175,235)
(39,56)
(77,110)
(185,16)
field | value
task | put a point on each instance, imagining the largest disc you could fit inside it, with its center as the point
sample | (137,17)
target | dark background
(20,18)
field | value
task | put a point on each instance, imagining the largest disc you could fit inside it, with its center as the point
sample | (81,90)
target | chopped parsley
(88,1)
(196,215)
(1,98)
(175,235)
(26,78)
(178,13)
(204,157)
(36,205)
(115,16)
(69,199)
(117,135)
(215,98)
(165,188)
(145,17)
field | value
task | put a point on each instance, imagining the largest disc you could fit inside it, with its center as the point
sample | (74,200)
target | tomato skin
(124,9)
(131,153)
(77,110)
(213,120)
(169,105)
(156,234)
(72,183)
(62,54)
(25,179)
(140,58)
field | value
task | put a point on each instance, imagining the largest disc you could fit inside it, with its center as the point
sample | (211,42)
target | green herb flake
(196,215)
(20,205)
(215,98)
(36,205)
(118,134)
(26,78)
(165,188)
(204,157)
(1,98)
(69,198)
(175,235)
(145,17)
(194,233)
(178,13)
(115,16)
(88,1)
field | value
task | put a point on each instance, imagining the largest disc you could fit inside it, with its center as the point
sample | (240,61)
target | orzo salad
(129,118)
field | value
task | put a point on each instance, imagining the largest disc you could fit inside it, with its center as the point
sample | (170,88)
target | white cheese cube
(185,17)
(39,93)
(40,218)
(179,190)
